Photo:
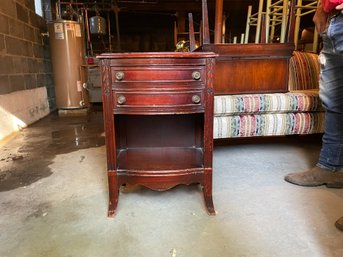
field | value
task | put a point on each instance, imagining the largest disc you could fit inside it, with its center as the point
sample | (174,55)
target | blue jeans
(331,94)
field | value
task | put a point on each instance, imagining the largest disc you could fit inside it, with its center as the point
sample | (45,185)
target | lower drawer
(159,100)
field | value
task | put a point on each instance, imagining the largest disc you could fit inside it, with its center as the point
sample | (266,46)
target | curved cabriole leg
(113,193)
(207,191)
(209,202)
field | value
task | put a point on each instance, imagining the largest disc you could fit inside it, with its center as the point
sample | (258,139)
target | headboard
(250,68)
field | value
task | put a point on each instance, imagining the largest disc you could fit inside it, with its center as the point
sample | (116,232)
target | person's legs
(331,94)
(329,169)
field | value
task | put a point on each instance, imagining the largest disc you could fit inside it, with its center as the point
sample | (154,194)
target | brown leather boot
(339,223)
(317,177)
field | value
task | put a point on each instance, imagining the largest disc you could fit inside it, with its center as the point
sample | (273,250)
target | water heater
(67,56)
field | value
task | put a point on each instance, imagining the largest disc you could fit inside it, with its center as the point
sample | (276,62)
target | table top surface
(157,55)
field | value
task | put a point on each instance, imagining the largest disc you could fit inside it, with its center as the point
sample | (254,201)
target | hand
(320,19)
(339,7)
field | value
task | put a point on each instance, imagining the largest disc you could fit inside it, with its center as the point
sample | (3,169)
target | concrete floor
(53,198)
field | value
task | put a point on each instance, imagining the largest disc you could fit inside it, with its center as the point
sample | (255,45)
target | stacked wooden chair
(276,13)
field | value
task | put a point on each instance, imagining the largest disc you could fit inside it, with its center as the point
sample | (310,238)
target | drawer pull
(121,99)
(120,75)
(196,75)
(196,99)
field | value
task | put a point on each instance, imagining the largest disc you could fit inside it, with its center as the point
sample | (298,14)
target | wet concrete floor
(28,158)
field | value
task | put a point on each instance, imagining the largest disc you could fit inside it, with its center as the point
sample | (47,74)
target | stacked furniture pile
(264,89)
(296,112)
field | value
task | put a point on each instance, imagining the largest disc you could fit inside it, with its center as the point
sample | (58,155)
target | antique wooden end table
(158,119)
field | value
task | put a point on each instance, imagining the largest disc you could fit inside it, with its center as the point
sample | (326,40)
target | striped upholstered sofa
(297,112)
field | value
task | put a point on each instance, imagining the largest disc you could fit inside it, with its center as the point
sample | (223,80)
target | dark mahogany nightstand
(158,116)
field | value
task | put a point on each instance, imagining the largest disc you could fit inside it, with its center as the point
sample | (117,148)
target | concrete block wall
(26,80)
(24,53)
(22,108)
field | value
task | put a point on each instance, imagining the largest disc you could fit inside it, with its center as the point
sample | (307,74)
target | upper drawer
(153,77)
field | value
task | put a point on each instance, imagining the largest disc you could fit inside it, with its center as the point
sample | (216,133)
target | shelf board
(160,159)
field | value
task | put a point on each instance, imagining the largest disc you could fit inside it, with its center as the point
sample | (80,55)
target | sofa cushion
(268,125)
(297,101)
(304,70)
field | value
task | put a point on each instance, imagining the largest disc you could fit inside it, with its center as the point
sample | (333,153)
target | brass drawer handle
(196,99)
(120,75)
(196,75)
(121,99)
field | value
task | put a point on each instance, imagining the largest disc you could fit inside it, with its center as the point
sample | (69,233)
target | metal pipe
(117,30)
(58,14)
(89,44)
(100,6)
(109,31)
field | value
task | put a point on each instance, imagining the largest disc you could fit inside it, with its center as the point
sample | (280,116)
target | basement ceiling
(235,11)
(230,6)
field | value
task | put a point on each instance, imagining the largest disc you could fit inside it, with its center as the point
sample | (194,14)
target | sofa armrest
(304,70)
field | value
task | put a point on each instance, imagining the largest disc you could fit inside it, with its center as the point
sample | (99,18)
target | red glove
(329,5)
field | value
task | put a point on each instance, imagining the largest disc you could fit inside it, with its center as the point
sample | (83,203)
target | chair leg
(259,18)
(191,33)
(247,26)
